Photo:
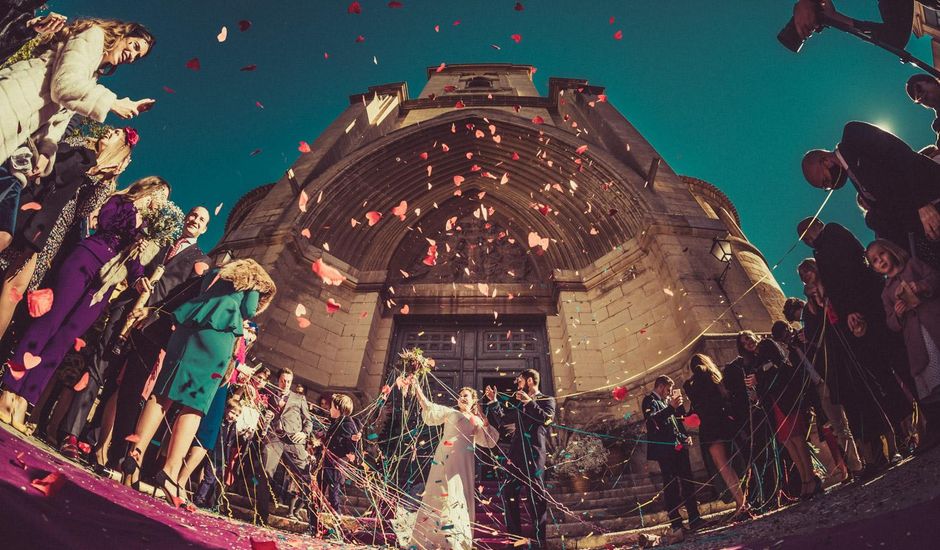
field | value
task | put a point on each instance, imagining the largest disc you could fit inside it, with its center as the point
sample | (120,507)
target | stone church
(498,229)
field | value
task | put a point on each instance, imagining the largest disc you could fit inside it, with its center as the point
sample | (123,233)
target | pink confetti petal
(618,35)
(223,34)
(79,344)
(39,302)
(193,64)
(401,210)
(354,8)
(200,268)
(332,306)
(31,206)
(330,275)
(49,485)
(516,38)
(373,217)
(244,25)
(82,383)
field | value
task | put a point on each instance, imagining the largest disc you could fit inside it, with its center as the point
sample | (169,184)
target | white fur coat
(38,96)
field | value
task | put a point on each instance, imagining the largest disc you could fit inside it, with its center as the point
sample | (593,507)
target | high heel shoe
(129,467)
(817,489)
(160,480)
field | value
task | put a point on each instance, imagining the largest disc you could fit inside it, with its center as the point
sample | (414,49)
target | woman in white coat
(445,518)
(39,96)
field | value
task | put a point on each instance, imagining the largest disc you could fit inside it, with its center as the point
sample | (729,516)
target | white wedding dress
(445,517)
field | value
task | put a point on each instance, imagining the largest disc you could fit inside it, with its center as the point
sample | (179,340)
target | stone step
(600,527)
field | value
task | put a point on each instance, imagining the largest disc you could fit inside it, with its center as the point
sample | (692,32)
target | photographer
(669,446)
(895,29)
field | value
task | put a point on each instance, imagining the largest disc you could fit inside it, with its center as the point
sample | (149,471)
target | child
(911,308)
(339,449)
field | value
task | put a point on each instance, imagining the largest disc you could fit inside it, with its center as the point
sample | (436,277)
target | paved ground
(900,509)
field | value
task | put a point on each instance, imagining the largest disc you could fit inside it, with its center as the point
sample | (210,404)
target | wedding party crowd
(118,331)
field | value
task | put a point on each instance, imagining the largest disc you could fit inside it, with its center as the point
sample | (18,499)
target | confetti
(193,64)
(79,344)
(218,209)
(82,383)
(50,484)
(401,210)
(31,206)
(354,8)
(619,393)
(39,302)
(244,25)
(516,38)
(618,35)
(332,306)
(373,217)
(329,275)
(223,34)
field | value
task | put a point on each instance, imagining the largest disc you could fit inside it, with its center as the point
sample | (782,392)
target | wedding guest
(913,309)
(38,96)
(716,432)
(778,387)
(88,168)
(18,26)
(207,436)
(213,479)
(924,90)
(289,425)
(74,308)
(198,357)
(669,447)
(889,175)
(339,451)
(183,261)
(449,488)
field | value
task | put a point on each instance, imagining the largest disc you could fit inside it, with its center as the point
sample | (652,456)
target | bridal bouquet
(165,224)
(414,362)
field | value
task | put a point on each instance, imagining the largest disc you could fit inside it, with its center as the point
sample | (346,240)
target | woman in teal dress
(197,357)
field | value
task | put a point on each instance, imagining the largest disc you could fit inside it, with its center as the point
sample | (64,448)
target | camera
(790,38)
(22,160)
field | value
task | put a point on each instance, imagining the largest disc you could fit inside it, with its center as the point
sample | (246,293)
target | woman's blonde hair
(898,254)
(247,274)
(146,185)
(702,365)
(114,31)
(116,154)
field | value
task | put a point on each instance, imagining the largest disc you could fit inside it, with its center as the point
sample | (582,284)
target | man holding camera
(894,30)
(669,446)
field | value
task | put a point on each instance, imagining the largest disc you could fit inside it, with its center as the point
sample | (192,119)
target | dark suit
(894,179)
(103,364)
(668,445)
(527,453)
(337,443)
(288,415)
(864,381)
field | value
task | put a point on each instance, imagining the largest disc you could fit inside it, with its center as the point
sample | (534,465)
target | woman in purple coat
(75,308)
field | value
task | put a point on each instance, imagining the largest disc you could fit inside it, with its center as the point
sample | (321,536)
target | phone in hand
(146,105)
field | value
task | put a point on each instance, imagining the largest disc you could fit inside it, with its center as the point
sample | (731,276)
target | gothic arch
(377,177)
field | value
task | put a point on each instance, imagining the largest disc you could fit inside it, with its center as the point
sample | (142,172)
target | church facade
(498,229)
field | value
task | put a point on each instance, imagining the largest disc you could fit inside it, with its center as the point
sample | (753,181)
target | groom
(531,414)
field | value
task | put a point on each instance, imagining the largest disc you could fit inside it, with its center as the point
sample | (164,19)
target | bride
(445,518)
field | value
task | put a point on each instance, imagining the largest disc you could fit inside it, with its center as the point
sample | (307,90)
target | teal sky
(705,82)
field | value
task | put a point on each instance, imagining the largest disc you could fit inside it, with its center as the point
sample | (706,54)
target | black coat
(849,284)
(712,408)
(663,428)
(54,191)
(779,382)
(894,177)
(337,442)
(528,449)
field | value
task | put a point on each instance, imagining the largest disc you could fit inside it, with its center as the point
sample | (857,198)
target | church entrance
(474,351)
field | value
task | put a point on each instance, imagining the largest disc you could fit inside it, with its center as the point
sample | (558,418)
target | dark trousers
(536,505)
(330,482)
(296,461)
(103,365)
(141,356)
(678,488)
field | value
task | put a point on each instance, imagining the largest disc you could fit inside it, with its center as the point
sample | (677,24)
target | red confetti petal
(458,179)
(401,210)
(619,393)
(354,8)
(305,232)
(618,35)
(692,421)
(216,375)
(581,150)
(360,38)
(373,217)
(423,156)
(405,309)
(50,484)
(459,105)
(193,64)
(304,147)
(79,344)
(303,322)
(538,120)
(440,67)
(169,90)
(247,68)
(516,38)
(263,544)
(82,383)
(133,438)
(19,459)
(244,25)
(332,306)
(31,206)
(330,275)
(39,302)
(515,156)
(200,268)
(393,4)
(518,6)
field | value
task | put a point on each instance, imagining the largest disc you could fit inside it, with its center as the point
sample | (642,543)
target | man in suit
(669,446)
(531,415)
(891,178)
(183,261)
(339,448)
(865,384)
(289,424)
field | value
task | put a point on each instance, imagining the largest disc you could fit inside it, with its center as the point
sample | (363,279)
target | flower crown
(131,136)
